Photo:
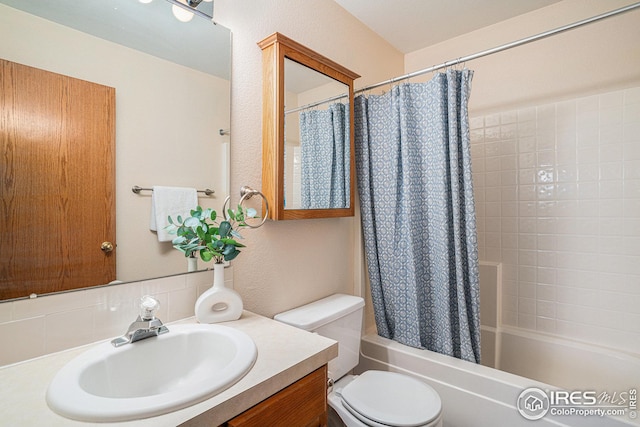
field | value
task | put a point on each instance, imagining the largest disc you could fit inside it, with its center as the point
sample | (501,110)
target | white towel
(170,201)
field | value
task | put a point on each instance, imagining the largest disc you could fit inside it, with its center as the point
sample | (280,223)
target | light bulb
(145,1)
(181,14)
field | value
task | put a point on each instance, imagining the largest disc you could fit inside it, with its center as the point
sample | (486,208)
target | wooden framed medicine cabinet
(296,80)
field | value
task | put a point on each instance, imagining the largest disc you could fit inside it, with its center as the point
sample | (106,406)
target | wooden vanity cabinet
(302,404)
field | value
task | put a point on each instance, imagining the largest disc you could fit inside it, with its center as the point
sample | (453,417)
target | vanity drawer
(302,404)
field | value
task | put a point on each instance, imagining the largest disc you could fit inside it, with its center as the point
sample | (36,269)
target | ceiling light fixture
(184,10)
(181,14)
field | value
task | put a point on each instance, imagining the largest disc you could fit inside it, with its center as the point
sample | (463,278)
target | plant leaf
(206,255)
(192,222)
(233,243)
(231,214)
(240,214)
(178,240)
(201,233)
(224,229)
(231,255)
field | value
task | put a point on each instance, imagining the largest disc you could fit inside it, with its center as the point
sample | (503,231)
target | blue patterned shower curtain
(413,167)
(324,141)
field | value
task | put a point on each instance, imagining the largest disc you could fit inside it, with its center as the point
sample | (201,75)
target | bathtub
(472,395)
(567,364)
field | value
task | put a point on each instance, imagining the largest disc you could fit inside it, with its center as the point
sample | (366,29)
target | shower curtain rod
(506,46)
(315,104)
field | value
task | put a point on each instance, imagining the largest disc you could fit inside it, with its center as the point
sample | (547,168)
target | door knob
(106,247)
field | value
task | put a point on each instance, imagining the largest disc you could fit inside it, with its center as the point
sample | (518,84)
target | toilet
(373,398)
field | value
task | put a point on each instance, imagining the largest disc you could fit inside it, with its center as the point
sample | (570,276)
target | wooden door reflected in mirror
(57,192)
(173,99)
(307,158)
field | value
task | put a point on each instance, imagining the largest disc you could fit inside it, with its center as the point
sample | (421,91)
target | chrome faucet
(146,325)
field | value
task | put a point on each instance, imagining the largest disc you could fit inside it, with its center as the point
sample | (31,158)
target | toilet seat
(381,398)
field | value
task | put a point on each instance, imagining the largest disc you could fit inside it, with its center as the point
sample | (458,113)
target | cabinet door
(306,78)
(302,404)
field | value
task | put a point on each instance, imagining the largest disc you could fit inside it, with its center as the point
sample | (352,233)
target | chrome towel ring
(246,193)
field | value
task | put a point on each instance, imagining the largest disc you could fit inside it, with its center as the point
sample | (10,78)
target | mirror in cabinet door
(307,153)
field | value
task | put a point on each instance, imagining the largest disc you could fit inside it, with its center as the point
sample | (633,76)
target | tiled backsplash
(558,204)
(33,327)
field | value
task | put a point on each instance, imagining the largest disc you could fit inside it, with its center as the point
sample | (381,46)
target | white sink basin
(154,376)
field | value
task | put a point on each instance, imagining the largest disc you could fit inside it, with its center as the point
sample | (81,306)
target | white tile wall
(297,176)
(558,204)
(33,327)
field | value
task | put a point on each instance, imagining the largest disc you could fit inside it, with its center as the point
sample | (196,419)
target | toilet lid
(391,399)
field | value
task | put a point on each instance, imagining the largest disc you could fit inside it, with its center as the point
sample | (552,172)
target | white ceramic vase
(192,264)
(218,304)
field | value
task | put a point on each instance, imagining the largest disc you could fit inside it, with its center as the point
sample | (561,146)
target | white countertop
(285,354)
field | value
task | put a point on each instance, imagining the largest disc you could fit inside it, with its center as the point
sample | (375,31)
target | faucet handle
(148,306)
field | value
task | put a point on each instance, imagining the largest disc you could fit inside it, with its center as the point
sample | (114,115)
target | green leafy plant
(202,234)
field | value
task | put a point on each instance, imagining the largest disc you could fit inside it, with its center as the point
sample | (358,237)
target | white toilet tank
(338,317)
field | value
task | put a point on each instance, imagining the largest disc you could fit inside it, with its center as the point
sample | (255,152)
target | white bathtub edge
(471,394)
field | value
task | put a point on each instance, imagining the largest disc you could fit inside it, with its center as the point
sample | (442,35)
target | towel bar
(136,189)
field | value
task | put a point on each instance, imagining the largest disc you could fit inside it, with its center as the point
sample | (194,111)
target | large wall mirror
(308,166)
(172,104)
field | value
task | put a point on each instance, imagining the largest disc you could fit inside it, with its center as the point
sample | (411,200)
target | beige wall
(591,59)
(289,263)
